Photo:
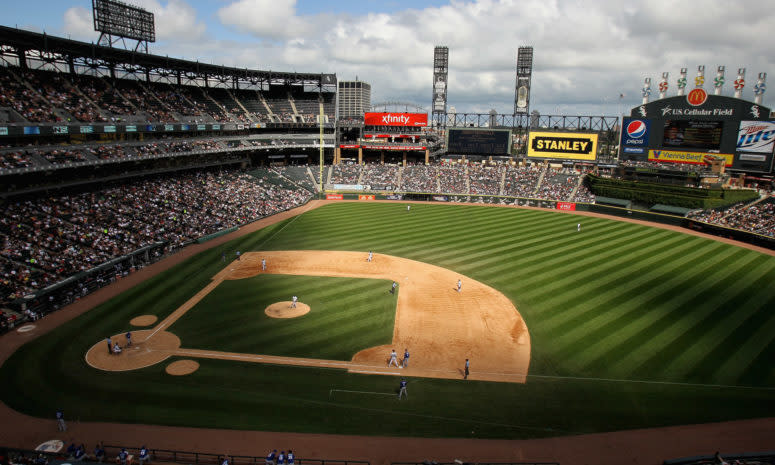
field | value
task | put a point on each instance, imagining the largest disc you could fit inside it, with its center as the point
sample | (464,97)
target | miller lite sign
(756,136)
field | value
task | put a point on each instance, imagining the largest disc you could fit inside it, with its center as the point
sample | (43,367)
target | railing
(176,456)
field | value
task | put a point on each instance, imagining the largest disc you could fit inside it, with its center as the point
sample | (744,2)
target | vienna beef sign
(566,145)
(395,119)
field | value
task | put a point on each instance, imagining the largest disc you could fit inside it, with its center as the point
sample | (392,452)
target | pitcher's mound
(182,367)
(143,320)
(284,310)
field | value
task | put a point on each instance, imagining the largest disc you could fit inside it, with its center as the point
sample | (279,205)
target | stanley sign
(566,145)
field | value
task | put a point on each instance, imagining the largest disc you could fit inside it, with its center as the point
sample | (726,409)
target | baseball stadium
(202,264)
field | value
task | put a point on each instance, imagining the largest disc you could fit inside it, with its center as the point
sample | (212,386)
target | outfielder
(294,299)
(393,358)
(402,390)
(578,227)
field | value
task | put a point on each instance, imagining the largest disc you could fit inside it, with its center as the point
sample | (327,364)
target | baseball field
(616,326)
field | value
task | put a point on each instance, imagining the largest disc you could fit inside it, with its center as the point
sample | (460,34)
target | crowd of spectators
(419,178)
(381,177)
(557,184)
(452,179)
(36,95)
(47,239)
(14,159)
(485,180)
(756,217)
(345,173)
(666,166)
(521,181)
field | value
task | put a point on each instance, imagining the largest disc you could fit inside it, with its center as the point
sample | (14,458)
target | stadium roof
(23,41)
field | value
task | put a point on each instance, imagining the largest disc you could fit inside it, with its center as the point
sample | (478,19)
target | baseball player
(405,361)
(128,338)
(225,460)
(290,457)
(459,285)
(238,255)
(223,256)
(270,458)
(61,426)
(294,299)
(371,255)
(393,358)
(408,207)
(110,347)
(263,264)
(143,456)
(578,227)
(402,390)
(281,458)
(393,289)
(467,365)
(122,456)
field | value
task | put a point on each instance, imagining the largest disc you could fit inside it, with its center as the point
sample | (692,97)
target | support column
(381,157)
(404,159)
(360,155)
(427,155)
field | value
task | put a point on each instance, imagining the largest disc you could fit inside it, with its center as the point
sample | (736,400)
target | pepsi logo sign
(636,132)
(636,129)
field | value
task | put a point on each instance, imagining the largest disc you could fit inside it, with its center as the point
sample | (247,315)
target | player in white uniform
(459,285)
(408,207)
(578,227)
(294,299)
(371,255)
(263,264)
(393,358)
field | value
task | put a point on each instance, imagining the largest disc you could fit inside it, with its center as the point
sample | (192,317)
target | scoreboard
(479,141)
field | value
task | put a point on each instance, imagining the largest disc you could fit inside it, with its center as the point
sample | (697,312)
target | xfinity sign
(395,119)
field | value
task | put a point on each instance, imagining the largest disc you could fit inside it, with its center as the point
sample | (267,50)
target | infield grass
(346,315)
(631,326)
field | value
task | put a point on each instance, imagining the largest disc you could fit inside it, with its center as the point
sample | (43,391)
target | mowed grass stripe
(552,276)
(665,319)
(571,314)
(489,255)
(589,321)
(597,344)
(728,312)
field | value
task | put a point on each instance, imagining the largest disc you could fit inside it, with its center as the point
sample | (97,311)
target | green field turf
(631,326)
(347,315)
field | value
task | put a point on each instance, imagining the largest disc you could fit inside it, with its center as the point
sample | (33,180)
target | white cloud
(268,19)
(78,24)
(587,52)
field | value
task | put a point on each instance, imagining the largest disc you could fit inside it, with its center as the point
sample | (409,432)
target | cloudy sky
(587,52)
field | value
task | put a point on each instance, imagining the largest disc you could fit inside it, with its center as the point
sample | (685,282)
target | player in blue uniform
(402,390)
(271,457)
(281,458)
(290,457)
(405,361)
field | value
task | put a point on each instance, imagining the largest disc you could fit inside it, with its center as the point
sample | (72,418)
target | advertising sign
(366,197)
(694,158)
(756,136)
(566,145)
(395,119)
(567,206)
(334,197)
(636,132)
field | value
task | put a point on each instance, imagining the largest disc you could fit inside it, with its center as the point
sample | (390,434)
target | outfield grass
(347,315)
(631,326)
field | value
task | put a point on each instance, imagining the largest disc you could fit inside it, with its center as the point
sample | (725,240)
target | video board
(692,134)
(478,141)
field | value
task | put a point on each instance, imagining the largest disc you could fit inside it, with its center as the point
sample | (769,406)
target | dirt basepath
(645,446)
